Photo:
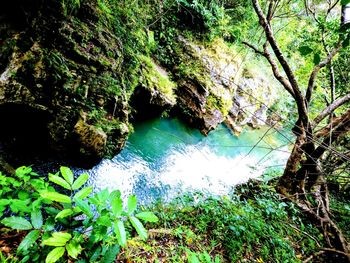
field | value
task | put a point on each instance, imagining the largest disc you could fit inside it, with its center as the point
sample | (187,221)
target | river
(164,159)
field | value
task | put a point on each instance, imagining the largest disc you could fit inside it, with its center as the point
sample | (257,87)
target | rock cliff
(62,75)
(63,88)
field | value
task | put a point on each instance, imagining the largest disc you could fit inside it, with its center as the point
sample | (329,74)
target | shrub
(65,220)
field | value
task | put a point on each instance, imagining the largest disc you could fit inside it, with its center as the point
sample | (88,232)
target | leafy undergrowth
(340,209)
(252,225)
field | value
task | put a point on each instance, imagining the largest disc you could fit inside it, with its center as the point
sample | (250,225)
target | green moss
(153,78)
(221,103)
(6,49)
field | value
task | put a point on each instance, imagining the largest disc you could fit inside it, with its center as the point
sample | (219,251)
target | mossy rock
(155,93)
(66,66)
(206,76)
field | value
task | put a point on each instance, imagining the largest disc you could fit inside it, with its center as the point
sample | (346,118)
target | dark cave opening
(24,135)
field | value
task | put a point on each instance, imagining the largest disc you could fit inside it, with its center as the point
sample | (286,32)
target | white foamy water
(173,168)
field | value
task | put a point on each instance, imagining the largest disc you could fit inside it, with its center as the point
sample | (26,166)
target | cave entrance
(24,135)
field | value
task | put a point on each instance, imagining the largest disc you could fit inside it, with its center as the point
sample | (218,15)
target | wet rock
(155,93)
(215,87)
(92,140)
(62,67)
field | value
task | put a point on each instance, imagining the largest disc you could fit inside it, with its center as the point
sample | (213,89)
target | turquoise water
(163,158)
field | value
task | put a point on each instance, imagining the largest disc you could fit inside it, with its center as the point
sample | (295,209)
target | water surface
(163,158)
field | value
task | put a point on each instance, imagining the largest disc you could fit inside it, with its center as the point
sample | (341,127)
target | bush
(63,222)
(252,225)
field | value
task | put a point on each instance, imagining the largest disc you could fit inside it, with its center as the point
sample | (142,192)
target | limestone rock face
(62,67)
(204,91)
(92,140)
(63,91)
(155,92)
(215,87)
(250,103)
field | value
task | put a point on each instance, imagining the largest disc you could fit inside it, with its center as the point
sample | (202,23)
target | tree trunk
(303,181)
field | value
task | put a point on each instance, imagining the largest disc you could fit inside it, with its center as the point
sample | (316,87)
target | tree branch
(274,67)
(340,125)
(317,69)
(256,50)
(336,104)
(302,110)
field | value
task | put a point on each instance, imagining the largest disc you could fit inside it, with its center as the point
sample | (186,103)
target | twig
(305,233)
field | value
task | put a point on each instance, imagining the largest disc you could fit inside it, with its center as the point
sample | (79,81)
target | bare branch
(274,67)
(331,108)
(331,7)
(317,69)
(302,109)
(270,12)
(256,50)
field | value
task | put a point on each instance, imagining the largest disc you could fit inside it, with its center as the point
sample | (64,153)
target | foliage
(252,225)
(63,221)
(70,7)
(4,259)
(339,205)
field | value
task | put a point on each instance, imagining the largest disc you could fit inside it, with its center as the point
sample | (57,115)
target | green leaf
(345,2)
(138,227)
(317,58)
(115,194)
(84,206)
(17,205)
(192,258)
(74,249)
(28,241)
(58,239)
(147,216)
(111,254)
(59,181)
(55,255)
(64,213)
(25,259)
(103,196)
(104,221)
(38,184)
(63,235)
(54,196)
(305,50)
(23,171)
(132,203)
(36,218)
(4,202)
(23,195)
(82,179)
(67,174)
(96,254)
(119,230)
(18,223)
(83,193)
(117,206)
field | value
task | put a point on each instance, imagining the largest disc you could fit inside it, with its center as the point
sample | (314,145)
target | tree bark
(303,177)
